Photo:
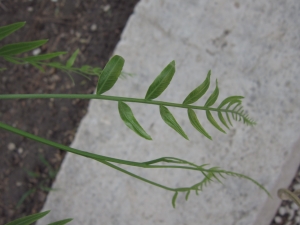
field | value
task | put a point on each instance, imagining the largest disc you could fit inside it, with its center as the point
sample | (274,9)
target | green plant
(27,220)
(40,185)
(229,107)
(285,194)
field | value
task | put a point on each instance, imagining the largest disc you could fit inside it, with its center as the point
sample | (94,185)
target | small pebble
(297,219)
(93,27)
(296,186)
(282,211)
(20,150)
(106,8)
(36,51)
(294,206)
(278,220)
(18,183)
(291,214)
(11,146)
(30,9)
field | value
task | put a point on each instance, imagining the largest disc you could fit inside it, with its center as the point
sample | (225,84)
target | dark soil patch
(67,25)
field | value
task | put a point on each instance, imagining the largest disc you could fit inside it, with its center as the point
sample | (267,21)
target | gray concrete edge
(288,171)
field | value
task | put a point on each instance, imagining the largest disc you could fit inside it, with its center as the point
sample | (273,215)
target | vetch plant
(229,109)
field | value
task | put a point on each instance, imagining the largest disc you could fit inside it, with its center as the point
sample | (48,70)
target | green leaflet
(72,59)
(174,199)
(169,119)
(213,121)
(7,30)
(97,70)
(130,121)
(12,60)
(27,220)
(38,67)
(86,69)
(43,57)
(13,49)
(229,99)
(221,118)
(110,74)
(56,65)
(214,96)
(228,118)
(187,195)
(61,222)
(195,122)
(161,82)
(199,91)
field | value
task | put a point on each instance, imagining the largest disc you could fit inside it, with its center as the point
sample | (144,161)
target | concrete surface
(252,48)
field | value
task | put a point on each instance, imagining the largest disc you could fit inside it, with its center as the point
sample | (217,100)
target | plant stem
(111,98)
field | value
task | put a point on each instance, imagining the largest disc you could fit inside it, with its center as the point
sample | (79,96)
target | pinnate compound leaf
(199,91)
(13,49)
(229,99)
(195,122)
(27,220)
(44,56)
(72,59)
(213,121)
(169,119)
(161,82)
(174,199)
(130,121)
(110,74)
(213,97)
(61,222)
(7,30)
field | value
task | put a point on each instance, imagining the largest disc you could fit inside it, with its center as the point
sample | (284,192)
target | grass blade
(61,222)
(130,121)
(43,57)
(7,30)
(169,119)
(13,49)
(110,74)
(161,82)
(195,122)
(27,220)
(24,196)
(199,91)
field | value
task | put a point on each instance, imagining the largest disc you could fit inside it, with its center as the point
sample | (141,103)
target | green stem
(110,98)
(137,177)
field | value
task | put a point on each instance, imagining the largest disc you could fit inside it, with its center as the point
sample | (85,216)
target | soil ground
(93,26)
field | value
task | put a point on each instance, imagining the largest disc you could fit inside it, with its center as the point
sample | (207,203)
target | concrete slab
(252,48)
